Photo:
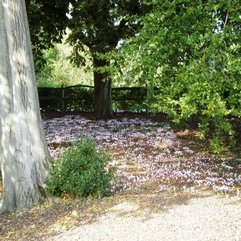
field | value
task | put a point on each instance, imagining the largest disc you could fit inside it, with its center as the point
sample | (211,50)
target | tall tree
(24,154)
(100,25)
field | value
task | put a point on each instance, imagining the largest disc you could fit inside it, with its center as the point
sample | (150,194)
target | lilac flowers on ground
(142,152)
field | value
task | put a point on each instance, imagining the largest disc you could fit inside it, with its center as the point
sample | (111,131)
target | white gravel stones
(202,219)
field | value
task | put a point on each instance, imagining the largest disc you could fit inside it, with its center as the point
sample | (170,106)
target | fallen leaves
(144,151)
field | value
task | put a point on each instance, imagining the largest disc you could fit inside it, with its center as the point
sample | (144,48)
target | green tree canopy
(58,70)
(190,51)
(100,25)
(47,22)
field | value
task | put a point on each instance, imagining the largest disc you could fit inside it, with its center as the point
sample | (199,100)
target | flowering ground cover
(147,154)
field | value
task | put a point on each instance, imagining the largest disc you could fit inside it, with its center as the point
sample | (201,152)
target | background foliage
(48,22)
(58,70)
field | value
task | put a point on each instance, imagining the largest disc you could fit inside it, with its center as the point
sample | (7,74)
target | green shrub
(81,172)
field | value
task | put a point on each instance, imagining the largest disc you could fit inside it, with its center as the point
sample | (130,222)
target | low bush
(81,172)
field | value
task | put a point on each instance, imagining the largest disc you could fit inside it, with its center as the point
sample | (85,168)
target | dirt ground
(130,217)
(149,213)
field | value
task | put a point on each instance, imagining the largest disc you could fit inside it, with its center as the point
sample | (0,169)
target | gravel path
(212,218)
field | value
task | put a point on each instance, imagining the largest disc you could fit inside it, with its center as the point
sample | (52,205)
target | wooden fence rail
(81,98)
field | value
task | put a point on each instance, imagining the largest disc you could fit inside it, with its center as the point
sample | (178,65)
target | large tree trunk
(23,149)
(103,102)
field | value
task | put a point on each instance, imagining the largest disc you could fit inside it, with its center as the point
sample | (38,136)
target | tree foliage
(190,50)
(58,70)
(47,22)
(101,24)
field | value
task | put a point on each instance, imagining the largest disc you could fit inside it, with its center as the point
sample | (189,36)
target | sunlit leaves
(59,71)
(190,50)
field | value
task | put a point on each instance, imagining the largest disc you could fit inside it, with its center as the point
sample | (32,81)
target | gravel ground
(210,218)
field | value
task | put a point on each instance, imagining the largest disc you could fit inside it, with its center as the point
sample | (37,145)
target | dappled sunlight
(22,142)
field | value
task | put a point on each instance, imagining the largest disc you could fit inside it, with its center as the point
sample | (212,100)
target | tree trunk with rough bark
(23,149)
(103,101)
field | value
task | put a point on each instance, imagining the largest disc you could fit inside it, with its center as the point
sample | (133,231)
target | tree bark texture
(103,100)
(23,150)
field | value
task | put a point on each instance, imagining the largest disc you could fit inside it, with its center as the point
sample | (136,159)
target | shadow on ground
(51,219)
